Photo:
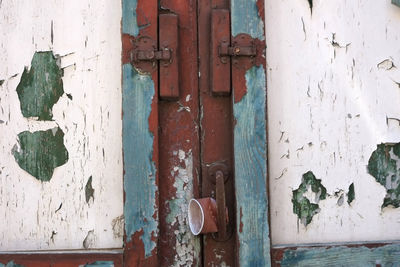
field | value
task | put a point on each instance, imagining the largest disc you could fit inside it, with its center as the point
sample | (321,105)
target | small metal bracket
(145,54)
(242,46)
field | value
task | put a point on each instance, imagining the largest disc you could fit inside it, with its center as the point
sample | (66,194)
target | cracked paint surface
(41,86)
(187,246)
(384,166)
(39,153)
(304,207)
(68,85)
(332,98)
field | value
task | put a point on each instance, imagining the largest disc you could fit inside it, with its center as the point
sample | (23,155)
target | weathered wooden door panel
(60,126)
(163,149)
(179,146)
(333,107)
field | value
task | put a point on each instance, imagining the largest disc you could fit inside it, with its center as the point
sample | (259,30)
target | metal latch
(147,52)
(241,50)
(151,55)
(237,50)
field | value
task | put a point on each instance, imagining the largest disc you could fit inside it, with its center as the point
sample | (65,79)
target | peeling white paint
(86,37)
(332,85)
(187,246)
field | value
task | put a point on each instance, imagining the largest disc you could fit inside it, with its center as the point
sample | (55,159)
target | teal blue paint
(396,2)
(140,170)
(388,255)
(245,19)
(129,17)
(250,152)
(100,264)
(11,264)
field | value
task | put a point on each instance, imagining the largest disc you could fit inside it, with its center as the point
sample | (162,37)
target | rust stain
(241,223)
(239,73)
(127,45)
(260,7)
(134,253)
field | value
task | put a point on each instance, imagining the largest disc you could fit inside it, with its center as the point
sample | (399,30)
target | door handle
(207,215)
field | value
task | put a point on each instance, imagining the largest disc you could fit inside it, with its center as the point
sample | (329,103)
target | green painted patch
(302,206)
(384,166)
(89,191)
(351,194)
(39,153)
(41,86)
(396,2)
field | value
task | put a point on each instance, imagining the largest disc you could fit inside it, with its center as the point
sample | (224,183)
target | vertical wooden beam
(179,146)
(216,125)
(250,143)
(140,139)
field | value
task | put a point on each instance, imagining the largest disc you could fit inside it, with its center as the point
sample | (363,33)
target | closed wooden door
(99,161)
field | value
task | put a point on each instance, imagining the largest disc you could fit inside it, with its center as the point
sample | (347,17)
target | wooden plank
(179,147)
(140,139)
(250,144)
(216,130)
(59,259)
(355,255)
(169,71)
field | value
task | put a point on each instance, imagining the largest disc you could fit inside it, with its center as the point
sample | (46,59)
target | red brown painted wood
(179,146)
(216,138)
(169,70)
(220,66)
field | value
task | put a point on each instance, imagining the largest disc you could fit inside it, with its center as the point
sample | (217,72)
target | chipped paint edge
(250,146)
(140,207)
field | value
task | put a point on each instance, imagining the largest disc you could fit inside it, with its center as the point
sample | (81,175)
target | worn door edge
(250,140)
(140,139)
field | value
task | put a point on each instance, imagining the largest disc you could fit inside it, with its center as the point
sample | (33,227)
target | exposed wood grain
(250,145)
(387,255)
